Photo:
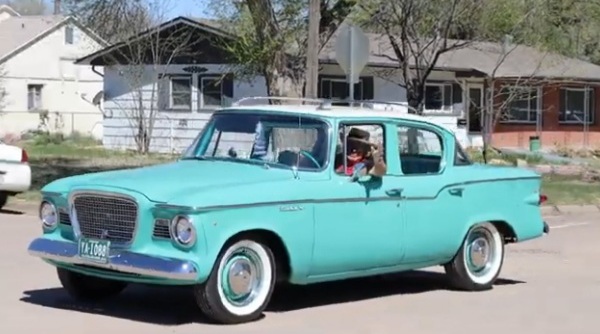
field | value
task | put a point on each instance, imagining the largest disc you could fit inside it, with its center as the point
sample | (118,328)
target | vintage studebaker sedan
(271,193)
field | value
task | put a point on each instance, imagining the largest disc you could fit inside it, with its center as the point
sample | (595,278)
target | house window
(34,97)
(438,96)
(69,35)
(521,104)
(211,92)
(338,89)
(577,106)
(181,93)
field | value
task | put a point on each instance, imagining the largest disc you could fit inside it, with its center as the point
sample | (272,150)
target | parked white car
(15,172)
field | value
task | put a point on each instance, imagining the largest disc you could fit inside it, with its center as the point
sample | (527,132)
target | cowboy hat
(360,136)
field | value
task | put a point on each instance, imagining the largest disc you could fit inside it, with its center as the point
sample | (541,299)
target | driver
(361,150)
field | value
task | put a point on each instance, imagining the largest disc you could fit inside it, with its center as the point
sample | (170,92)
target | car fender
(295,234)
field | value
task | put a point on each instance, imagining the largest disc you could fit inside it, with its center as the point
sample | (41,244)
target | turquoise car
(268,193)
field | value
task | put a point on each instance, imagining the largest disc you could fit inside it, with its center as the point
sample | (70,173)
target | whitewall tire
(240,285)
(479,261)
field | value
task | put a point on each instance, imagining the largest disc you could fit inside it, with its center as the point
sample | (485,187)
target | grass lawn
(53,161)
(570,190)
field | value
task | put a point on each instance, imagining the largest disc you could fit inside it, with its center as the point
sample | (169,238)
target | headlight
(183,231)
(48,215)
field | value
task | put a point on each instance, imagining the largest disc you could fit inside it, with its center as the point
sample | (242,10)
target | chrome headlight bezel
(48,215)
(181,224)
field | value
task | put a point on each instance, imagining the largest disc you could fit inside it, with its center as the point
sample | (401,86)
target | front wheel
(88,288)
(477,264)
(240,285)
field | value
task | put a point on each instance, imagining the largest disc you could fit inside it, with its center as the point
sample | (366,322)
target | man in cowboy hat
(359,150)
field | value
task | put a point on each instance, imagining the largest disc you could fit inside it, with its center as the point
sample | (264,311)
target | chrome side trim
(200,209)
(122,261)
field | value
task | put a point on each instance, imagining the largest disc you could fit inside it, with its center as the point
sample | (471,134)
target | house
(551,100)
(40,80)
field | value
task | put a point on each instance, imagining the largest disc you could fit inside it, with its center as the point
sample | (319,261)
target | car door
(360,226)
(433,208)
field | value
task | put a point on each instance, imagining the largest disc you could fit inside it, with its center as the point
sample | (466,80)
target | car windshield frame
(198,148)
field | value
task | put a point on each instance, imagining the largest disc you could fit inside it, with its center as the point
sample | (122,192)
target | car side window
(357,141)
(421,150)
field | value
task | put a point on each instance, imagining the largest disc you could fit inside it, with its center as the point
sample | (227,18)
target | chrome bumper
(121,261)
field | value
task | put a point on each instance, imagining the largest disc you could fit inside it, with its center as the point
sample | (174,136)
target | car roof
(346,112)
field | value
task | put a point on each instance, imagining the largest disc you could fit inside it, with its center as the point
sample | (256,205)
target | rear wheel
(3,199)
(88,288)
(477,264)
(240,285)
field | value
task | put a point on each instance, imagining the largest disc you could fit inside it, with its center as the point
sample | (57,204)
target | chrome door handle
(395,192)
(456,191)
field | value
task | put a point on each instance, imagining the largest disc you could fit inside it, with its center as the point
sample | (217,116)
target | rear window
(461,158)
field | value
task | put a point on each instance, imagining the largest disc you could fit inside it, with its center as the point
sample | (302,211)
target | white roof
(334,112)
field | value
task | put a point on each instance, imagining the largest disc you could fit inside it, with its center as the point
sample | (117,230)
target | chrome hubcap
(479,254)
(240,277)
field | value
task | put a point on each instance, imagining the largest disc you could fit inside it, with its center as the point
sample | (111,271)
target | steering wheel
(310,157)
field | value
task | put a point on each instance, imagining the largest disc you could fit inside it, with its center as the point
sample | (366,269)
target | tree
(27,7)
(143,56)
(419,32)
(272,38)
(115,20)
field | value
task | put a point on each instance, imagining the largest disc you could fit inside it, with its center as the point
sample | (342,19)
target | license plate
(94,250)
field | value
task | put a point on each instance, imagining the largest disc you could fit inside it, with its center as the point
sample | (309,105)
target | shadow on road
(11,212)
(176,306)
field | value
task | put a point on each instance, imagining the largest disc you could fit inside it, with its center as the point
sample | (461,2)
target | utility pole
(312,52)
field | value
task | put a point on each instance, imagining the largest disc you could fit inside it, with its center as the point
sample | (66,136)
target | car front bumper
(119,260)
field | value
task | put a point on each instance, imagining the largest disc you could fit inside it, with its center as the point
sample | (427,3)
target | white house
(185,92)
(39,77)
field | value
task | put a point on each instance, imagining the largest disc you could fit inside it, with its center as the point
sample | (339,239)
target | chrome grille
(161,229)
(107,217)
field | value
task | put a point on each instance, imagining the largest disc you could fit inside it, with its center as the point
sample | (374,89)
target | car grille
(107,217)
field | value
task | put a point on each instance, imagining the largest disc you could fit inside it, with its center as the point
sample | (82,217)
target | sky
(195,8)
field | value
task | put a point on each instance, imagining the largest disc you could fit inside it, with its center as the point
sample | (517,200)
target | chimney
(57,7)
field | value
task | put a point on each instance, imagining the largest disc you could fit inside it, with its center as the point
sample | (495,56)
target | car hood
(161,183)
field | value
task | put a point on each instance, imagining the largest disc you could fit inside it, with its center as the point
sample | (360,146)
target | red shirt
(349,167)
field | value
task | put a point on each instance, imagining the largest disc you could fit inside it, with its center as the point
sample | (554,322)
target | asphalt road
(549,285)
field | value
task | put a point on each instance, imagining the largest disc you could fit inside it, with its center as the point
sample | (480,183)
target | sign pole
(352,63)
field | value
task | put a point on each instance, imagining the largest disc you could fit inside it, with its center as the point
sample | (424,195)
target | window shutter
(368,88)
(162,87)
(228,87)
(448,96)
(562,113)
(456,93)
(324,91)
(591,105)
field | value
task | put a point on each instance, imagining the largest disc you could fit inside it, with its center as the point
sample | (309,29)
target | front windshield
(282,141)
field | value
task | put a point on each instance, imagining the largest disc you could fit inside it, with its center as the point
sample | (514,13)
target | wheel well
(508,233)
(274,242)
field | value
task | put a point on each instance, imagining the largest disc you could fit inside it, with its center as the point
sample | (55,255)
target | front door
(475,107)
(360,225)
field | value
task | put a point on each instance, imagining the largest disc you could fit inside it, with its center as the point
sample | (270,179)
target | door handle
(395,192)
(456,191)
